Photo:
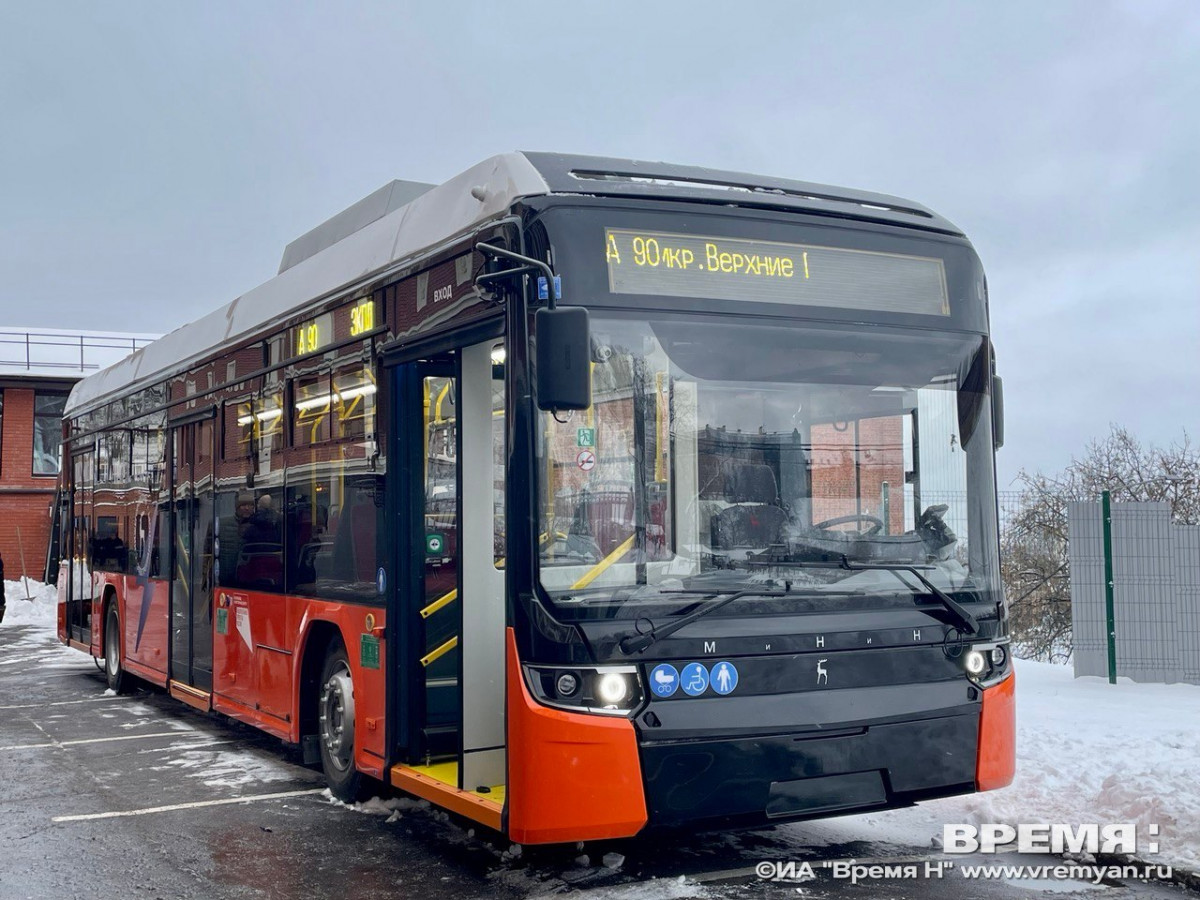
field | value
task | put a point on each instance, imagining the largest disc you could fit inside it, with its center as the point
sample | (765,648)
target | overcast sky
(156,157)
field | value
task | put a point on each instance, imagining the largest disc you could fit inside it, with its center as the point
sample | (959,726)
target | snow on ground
(42,610)
(226,768)
(1087,751)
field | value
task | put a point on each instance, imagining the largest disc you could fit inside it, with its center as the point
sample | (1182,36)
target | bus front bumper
(788,775)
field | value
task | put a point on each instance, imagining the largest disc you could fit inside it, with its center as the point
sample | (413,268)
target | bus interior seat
(755,519)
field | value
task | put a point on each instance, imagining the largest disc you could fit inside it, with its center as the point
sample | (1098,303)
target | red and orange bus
(578,496)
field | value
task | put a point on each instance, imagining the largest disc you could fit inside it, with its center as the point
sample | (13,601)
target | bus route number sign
(722,268)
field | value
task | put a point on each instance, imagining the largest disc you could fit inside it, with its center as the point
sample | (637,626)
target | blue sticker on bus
(381,580)
(724,677)
(694,679)
(664,680)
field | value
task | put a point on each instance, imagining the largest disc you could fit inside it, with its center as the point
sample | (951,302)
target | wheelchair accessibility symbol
(694,679)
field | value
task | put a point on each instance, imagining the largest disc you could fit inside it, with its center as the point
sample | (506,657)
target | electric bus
(578,496)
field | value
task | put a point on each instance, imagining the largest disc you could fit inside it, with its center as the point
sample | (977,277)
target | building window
(47,431)
(1,415)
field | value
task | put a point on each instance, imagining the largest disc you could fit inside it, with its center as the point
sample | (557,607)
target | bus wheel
(112,650)
(335,717)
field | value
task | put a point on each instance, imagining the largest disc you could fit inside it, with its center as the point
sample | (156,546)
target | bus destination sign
(717,268)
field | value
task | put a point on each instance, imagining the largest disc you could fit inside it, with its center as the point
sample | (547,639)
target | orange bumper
(997,756)
(571,776)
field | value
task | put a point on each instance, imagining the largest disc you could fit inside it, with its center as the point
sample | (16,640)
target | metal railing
(73,351)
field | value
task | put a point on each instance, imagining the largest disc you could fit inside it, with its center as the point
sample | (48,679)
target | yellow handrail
(601,567)
(441,651)
(440,602)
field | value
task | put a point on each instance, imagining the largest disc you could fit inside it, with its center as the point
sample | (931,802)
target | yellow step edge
(430,783)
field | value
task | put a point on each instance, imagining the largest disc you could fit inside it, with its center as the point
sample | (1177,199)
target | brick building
(38,367)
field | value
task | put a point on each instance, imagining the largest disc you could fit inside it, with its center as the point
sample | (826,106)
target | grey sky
(155,158)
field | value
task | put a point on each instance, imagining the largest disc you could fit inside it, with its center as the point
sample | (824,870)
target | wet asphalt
(84,777)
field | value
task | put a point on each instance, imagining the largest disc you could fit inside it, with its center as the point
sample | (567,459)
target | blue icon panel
(694,679)
(664,680)
(724,677)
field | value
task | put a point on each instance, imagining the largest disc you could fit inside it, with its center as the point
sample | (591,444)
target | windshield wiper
(958,612)
(962,618)
(639,641)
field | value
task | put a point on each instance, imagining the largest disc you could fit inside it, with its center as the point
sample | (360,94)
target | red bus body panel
(258,659)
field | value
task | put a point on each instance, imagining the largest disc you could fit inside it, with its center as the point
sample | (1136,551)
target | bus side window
(331,530)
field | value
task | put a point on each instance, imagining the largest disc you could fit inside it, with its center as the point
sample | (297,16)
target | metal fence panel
(1187,592)
(1085,553)
(1156,592)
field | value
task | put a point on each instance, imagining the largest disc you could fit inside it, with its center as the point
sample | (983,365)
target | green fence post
(1109,614)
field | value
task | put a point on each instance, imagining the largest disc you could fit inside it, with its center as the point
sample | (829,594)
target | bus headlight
(976,662)
(607,690)
(567,684)
(613,687)
(986,664)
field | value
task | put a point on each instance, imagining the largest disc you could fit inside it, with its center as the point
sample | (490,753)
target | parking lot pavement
(85,777)
(142,796)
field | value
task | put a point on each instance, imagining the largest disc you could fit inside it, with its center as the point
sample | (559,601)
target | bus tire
(335,725)
(114,672)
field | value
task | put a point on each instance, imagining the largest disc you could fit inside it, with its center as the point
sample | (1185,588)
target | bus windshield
(721,454)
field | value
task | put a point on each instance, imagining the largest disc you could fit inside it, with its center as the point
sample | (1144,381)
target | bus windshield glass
(724,454)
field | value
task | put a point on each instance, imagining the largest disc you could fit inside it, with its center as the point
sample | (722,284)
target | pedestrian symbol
(724,677)
(664,680)
(585,437)
(694,679)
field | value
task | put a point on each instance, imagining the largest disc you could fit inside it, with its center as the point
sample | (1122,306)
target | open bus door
(79,587)
(191,446)
(60,512)
(451,666)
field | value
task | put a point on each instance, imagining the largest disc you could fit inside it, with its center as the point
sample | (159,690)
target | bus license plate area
(854,790)
(752,780)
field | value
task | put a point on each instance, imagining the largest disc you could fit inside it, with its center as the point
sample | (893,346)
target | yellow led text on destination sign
(311,336)
(724,268)
(308,338)
(362,318)
(652,252)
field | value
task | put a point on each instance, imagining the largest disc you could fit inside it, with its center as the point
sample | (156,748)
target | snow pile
(42,610)
(1087,752)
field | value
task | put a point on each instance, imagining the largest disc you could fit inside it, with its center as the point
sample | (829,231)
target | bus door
(192,553)
(454,670)
(79,549)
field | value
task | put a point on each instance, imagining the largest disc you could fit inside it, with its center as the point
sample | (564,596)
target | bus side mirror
(997,411)
(564,371)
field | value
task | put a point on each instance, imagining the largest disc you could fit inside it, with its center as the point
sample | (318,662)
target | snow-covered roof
(315,268)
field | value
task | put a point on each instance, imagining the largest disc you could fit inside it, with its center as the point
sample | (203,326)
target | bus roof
(402,220)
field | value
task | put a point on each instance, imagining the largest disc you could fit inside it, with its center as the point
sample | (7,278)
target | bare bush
(1035,569)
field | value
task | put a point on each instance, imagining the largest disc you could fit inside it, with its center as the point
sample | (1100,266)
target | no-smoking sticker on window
(586,460)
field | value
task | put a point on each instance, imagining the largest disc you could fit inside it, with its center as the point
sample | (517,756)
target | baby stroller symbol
(664,680)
